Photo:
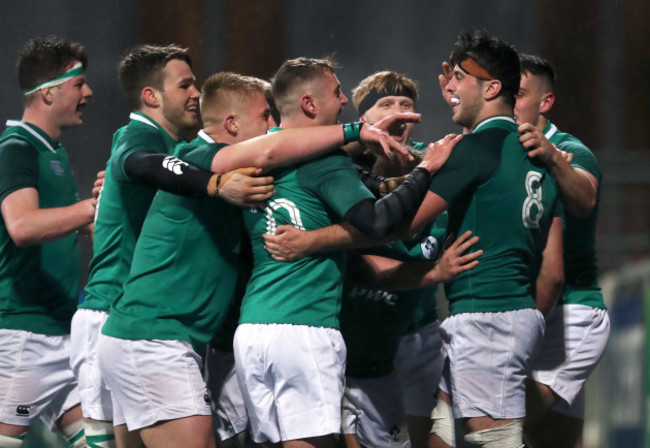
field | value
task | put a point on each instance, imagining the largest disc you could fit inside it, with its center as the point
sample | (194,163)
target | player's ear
(231,125)
(150,97)
(547,102)
(308,105)
(491,89)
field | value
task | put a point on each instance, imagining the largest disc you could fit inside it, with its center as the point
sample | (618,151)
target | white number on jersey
(289,206)
(533,209)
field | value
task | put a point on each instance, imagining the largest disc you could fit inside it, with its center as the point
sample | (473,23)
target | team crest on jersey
(23,410)
(56,167)
(430,248)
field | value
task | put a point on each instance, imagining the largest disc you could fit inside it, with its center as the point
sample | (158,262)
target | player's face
(68,100)
(390,105)
(179,97)
(329,97)
(529,99)
(253,118)
(466,98)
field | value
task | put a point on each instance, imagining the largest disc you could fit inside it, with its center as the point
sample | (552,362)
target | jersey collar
(497,120)
(36,132)
(142,118)
(549,130)
(204,136)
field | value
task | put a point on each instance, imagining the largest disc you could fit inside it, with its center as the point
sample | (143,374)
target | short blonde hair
(219,86)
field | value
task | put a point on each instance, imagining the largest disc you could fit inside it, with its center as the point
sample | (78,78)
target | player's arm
(550,279)
(171,174)
(365,227)
(27,224)
(397,275)
(578,188)
(298,144)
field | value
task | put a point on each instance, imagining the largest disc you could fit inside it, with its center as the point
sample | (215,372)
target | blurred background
(600,49)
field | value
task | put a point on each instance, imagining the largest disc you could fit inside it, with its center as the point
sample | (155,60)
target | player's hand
(443,80)
(394,124)
(378,140)
(243,188)
(288,243)
(437,153)
(99,183)
(539,147)
(455,258)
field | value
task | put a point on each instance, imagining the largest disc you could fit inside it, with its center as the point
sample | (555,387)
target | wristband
(351,132)
(218,182)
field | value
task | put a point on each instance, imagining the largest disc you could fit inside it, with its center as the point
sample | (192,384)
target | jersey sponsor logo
(375,295)
(174,165)
(56,167)
(23,410)
(533,209)
(430,248)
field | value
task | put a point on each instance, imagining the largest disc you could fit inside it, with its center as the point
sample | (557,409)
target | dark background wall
(600,49)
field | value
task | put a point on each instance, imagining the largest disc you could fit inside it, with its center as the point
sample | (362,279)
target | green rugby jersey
(39,284)
(495,190)
(308,196)
(121,209)
(373,321)
(579,235)
(185,265)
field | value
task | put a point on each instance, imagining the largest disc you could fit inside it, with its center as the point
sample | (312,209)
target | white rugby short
(575,341)
(229,415)
(292,379)
(35,378)
(96,401)
(372,410)
(489,359)
(153,380)
(419,364)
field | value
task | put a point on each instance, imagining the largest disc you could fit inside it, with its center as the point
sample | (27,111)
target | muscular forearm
(43,225)
(279,148)
(577,192)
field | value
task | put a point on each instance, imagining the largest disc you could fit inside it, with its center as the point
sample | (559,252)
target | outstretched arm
(578,188)
(297,144)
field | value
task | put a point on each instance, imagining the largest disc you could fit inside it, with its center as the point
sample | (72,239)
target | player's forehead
(177,71)
(394,99)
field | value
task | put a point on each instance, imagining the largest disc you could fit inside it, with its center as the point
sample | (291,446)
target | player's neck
(492,110)
(41,119)
(542,121)
(155,113)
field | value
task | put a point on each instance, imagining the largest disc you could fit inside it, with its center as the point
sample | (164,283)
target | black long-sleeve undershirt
(167,173)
